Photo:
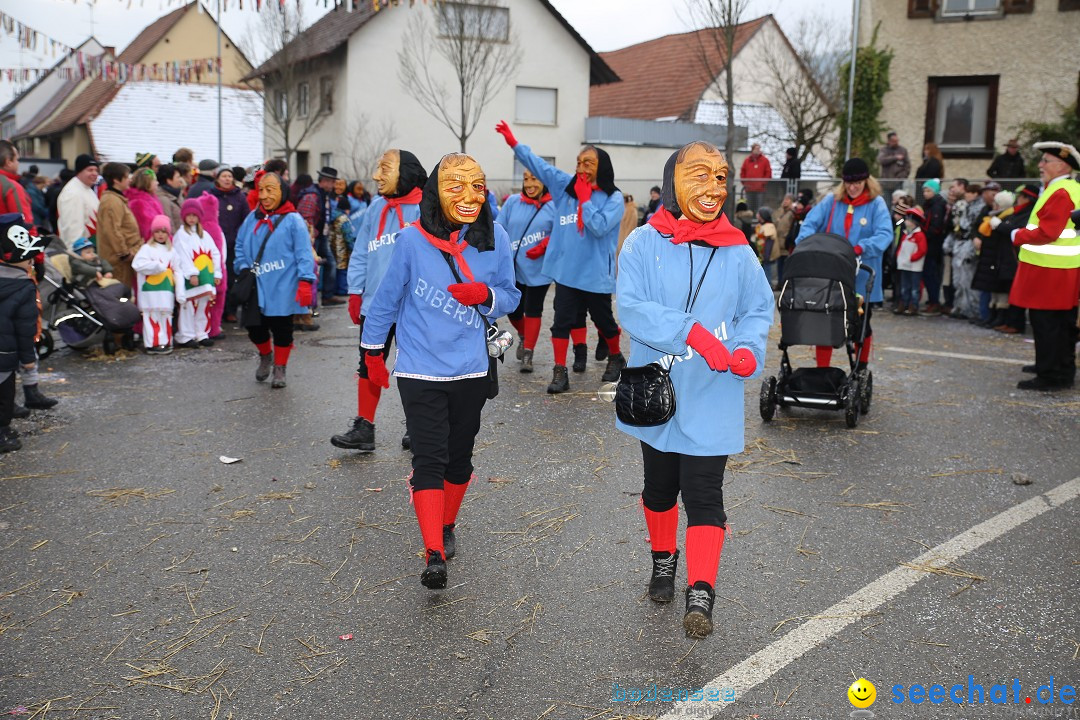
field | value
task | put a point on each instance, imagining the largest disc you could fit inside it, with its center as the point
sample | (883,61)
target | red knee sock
(703,546)
(824,355)
(864,351)
(558,346)
(263,347)
(454,494)
(518,325)
(663,527)
(367,398)
(613,344)
(580,335)
(281,354)
(428,505)
(532,332)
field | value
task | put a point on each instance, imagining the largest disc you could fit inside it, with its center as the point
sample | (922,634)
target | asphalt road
(142,578)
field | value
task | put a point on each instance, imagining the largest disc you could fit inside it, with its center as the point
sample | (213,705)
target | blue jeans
(931,272)
(770,272)
(909,287)
(328,270)
(984,305)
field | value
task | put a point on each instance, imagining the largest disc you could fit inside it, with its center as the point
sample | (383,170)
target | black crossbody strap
(524,233)
(691,294)
(453,268)
(262,248)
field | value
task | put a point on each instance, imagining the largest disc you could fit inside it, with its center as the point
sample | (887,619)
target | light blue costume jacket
(735,304)
(437,337)
(371,255)
(871,227)
(585,261)
(527,225)
(286,260)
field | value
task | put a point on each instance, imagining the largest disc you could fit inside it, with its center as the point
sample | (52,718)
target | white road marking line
(765,663)
(957,356)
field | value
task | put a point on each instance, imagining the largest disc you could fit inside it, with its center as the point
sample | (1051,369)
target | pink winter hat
(160,222)
(191,206)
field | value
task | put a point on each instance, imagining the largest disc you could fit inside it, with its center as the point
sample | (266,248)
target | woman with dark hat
(856,211)
(693,297)
(451,275)
(274,242)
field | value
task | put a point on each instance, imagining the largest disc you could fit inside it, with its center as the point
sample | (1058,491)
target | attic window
(486,22)
(965,8)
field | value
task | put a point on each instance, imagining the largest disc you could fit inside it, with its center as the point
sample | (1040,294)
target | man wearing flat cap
(316,207)
(208,170)
(1048,276)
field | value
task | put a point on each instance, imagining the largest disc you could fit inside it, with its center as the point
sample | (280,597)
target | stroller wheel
(45,344)
(867,391)
(767,403)
(852,402)
(108,344)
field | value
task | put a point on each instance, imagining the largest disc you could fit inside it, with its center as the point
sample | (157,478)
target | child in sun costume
(201,263)
(160,284)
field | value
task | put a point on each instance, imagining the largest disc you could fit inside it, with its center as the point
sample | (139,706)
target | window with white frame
(970,7)
(326,94)
(281,105)
(519,169)
(487,22)
(961,113)
(536,105)
(324,159)
(302,100)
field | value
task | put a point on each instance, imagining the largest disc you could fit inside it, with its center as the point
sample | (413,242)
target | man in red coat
(755,165)
(1048,276)
(13,197)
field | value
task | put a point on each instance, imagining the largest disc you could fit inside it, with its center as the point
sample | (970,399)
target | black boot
(560,380)
(406,443)
(581,357)
(361,436)
(449,542)
(526,361)
(615,364)
(20,412)
(9,440)
(602,350)
(434,575)
(35,400)
(520,347)
(662,582)
(699,604)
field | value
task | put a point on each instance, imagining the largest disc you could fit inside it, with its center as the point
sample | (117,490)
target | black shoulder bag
(644,395)
(493,369)
(244,293)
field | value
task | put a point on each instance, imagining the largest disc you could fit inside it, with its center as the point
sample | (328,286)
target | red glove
(538,249)
(472,293)
(583,189)
(304,293)
(503,129)
(354,308)
(858,249)
(709,348)
(743,362)
(376,369)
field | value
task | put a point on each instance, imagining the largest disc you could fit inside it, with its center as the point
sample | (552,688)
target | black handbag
(644,395)
(244,292)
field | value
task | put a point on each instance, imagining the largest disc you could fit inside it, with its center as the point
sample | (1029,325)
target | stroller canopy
(823,255)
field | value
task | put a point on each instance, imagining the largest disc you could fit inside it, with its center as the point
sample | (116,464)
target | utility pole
(220,152)
(851,75)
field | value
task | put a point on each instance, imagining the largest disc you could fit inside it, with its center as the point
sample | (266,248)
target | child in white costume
(201,263)
(160,286)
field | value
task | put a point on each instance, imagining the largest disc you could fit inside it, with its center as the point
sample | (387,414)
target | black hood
(667,195)
(410,174)
(605,174)
(481,234)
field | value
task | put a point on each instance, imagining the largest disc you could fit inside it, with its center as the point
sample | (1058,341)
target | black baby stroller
(819,306)
(85,316)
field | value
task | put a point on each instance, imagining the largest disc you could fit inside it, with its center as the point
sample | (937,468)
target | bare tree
(717,48)
(802,73)
(295,104)
(366,142)
(475,41)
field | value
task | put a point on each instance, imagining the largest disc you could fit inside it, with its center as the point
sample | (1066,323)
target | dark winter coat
(200,186)
(792,169)
(1007,166)
(997,258)
(18,318)
(232,209)
(930,168)
(935,229)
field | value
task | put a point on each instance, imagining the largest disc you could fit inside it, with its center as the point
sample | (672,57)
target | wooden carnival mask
(700,181)
(462,188)
(531,186)
(388,172)
(270,192)
(588,163)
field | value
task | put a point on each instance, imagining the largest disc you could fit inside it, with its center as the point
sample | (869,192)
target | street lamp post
(851,74)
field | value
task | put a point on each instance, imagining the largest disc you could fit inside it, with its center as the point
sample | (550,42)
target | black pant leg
(520,309)
(467,398)
(534,300)
(569,305)
(602,314)
(702,481)
(1054,332)
(427,420)
(281,327)
(661,490)
(259,334)
(7,399)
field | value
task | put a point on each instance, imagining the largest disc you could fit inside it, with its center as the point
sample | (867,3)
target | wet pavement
(141,577)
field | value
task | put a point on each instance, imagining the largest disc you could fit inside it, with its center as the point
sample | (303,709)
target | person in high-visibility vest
(1048,276)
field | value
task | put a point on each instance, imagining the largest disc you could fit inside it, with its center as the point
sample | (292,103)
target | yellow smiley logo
(862,693)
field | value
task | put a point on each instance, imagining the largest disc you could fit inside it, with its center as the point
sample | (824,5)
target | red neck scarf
(410,198)
(718,233)
(849,216)
(264,217)
(544,199)
(452,246)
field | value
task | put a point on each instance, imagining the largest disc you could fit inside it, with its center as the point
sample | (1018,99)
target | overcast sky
(605,24)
